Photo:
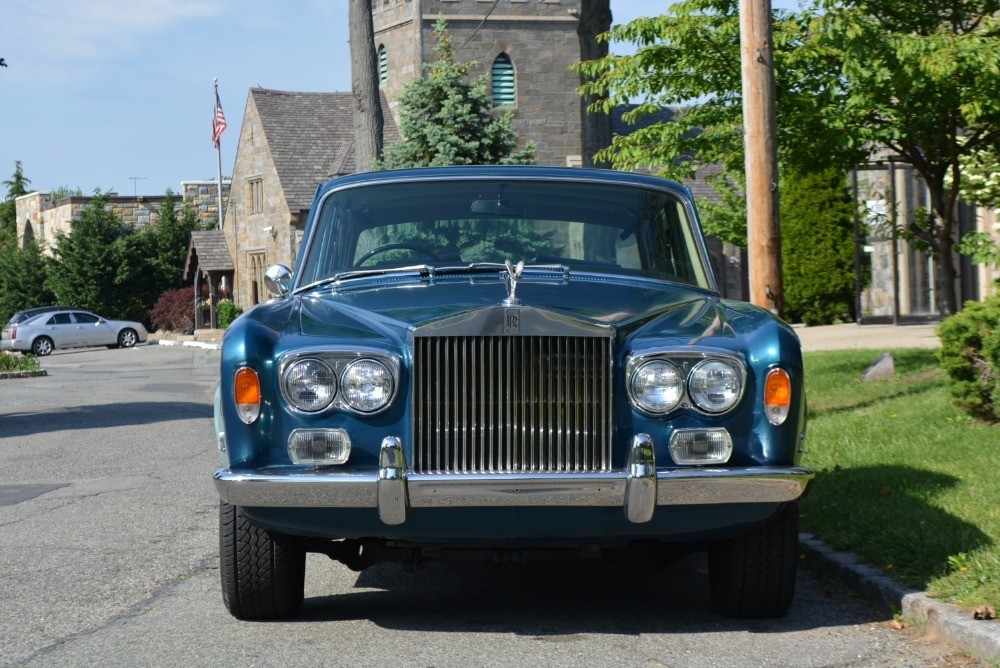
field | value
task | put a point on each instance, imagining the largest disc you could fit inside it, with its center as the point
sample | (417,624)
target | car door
(92,330)
(61,329)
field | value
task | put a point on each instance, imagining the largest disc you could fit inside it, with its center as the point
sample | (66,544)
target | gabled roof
(311,136)
(208,251)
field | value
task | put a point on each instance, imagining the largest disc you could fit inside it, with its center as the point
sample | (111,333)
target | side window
(60,319)
(85,318)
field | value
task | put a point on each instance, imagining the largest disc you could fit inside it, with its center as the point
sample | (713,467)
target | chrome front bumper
(394,490)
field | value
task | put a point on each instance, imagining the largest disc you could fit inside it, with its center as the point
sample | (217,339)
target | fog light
(701,446)
(319,447)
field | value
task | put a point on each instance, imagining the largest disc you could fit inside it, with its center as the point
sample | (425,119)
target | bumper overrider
(393,489)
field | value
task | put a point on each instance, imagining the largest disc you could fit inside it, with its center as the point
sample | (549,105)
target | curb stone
(956,626)
(4,375)
(190,344)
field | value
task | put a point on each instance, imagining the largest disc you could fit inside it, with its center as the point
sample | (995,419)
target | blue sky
(99,91)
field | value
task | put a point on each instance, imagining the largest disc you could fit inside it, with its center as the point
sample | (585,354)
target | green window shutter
(383,66)
(503,81)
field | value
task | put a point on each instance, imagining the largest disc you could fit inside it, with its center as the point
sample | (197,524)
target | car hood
(636,308)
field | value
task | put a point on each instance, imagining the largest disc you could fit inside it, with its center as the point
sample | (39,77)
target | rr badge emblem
(511,321)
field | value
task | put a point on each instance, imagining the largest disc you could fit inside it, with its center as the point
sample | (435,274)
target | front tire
(753,575)
(263,572)
(42,346)
(127,338)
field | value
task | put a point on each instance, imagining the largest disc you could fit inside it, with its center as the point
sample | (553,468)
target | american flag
(219,122)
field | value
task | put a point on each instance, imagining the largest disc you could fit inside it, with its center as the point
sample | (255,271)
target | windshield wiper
(489,267)
(426,270)
(421,269)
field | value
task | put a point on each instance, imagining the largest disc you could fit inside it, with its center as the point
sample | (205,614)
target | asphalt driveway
(108,519)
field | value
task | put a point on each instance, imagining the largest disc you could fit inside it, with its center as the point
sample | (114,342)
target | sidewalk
(879,337)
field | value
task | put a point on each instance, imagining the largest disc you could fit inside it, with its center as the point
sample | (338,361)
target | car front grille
(505,404)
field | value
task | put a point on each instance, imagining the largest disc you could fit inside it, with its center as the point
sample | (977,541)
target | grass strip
(904,478)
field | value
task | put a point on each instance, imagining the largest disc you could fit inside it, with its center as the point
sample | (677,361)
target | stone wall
(203,196)
(540,39)
(42,219)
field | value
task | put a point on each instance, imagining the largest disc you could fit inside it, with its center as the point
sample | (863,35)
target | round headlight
(367,385)
(715,386)
(309,385)
(657,386)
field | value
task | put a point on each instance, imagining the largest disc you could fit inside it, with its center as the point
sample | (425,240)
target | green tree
(447,121)
(18,184)
(22,277)
(817,249)
(97,265)
(692,53)
(913,76)
(920,78)
(168,240)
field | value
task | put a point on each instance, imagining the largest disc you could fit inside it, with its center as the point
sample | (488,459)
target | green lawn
(904,478)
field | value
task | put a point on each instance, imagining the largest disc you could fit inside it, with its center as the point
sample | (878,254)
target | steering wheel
(423,250)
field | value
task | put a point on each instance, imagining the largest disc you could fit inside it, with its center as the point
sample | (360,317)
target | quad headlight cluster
(659,384)
(357,383)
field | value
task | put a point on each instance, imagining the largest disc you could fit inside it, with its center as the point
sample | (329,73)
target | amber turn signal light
(777,396)
(246,389)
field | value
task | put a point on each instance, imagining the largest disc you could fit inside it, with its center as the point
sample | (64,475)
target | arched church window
(504,93)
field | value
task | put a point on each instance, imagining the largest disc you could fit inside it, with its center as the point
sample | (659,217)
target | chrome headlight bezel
(641,402)
(338,359)
(332,387)
(693,393)
(687,361)
(346,384)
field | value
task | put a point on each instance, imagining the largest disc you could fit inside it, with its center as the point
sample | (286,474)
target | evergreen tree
(817,246)
(169,238)
(17,185)
(88,269)
(446,120)
(22,277)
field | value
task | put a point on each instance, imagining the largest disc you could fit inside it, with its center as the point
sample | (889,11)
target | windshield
(584,226)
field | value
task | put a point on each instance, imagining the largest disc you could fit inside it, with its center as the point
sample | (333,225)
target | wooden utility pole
(763,240)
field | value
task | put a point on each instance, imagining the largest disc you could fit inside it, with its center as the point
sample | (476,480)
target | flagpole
(218,157)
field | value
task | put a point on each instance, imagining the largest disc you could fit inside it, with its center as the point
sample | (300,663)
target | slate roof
(311,136)
(209,251)
(699,185)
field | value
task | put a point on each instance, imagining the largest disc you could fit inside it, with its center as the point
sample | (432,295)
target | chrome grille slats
(508,404)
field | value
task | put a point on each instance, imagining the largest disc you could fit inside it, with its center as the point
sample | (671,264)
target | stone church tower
(526,47)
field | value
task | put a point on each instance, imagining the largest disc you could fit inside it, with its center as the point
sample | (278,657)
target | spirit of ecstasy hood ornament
(512,277)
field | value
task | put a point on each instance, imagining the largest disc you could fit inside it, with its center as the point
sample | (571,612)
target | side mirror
(278,280)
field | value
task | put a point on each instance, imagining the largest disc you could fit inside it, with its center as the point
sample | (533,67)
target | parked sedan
(70,329)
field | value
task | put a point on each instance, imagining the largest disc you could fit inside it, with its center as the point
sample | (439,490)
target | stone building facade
(289,144)
(40,218)
(538,36)
(203,197)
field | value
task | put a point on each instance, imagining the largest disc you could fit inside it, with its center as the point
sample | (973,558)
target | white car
(46,332)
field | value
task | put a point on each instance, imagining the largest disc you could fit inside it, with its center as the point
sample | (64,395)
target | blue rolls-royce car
(511,362)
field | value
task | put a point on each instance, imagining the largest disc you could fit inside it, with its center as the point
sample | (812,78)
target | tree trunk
(595,18)
(364,86)
(944,278)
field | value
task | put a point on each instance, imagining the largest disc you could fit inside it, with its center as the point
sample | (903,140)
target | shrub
(174,311)
(817,247)
(11,362)
(227,311)
(970,355)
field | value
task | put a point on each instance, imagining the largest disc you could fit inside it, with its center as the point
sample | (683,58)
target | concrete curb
(956,626)
(4,375)
(190,344)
